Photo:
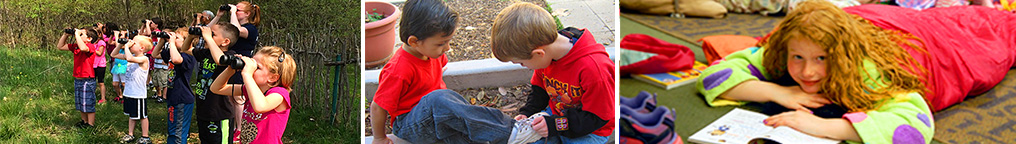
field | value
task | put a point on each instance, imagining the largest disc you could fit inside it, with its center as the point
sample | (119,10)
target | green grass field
(36,107)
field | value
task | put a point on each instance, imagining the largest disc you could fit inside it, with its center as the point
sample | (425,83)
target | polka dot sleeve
(904,119)
(728,72)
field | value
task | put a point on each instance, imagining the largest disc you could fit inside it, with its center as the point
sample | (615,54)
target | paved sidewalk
(599,16)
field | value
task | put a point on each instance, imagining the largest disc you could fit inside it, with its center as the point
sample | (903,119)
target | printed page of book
(736,127)
(785,134)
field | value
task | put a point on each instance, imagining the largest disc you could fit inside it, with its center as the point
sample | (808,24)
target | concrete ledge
(467,74)
(472,74)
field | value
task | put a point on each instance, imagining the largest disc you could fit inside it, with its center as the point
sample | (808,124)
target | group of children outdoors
(241,95)
(572,98)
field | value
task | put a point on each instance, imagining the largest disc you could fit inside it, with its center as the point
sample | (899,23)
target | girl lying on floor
(876,62)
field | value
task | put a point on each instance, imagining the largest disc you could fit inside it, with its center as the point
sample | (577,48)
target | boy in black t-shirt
(215,122)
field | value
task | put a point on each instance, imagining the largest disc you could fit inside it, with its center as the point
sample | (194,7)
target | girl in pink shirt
(267,80)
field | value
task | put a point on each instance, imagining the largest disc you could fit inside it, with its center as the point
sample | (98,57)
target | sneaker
(644,102)
(160,100)
(126,139)
(81,124)
(117,99)
(145,140)
(102,101)
(656,127)
(236,137)
(523,133)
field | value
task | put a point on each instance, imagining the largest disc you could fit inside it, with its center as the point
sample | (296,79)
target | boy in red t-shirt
(412,92)
(573,79)
(84,76)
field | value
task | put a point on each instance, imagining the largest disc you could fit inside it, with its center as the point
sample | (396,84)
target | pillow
(654,7)
(718,46)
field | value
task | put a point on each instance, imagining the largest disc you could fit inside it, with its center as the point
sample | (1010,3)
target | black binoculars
(232,61)
(122,40)
(194,30)
(160,34)
(68,31)
(224,7)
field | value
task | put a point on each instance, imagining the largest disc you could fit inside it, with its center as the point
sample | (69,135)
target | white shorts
(119,77)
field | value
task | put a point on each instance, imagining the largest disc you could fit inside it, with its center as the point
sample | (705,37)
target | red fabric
(719,46)
(83,60)
(671,57)
(405,79)
(970,47)
(582,78)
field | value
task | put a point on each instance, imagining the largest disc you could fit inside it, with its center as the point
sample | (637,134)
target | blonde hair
(253,11)
(144,41)
(520,28)
(286,68)
(850,41)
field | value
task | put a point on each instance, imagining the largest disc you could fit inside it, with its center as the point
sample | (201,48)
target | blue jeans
(588,139)
(179,123)
(443,115)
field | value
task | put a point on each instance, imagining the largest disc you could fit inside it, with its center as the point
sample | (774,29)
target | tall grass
(36,106)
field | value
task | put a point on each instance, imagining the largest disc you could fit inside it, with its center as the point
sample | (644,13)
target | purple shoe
(644,102)
(656,127)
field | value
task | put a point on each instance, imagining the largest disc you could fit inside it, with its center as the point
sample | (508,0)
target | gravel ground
(472,38)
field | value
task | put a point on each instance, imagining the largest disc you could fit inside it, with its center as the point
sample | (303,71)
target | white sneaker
(523,133)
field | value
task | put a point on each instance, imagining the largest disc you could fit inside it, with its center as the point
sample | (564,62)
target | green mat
(693,29)
(988,118)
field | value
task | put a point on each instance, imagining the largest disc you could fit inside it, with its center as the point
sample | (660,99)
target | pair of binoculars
(160,34)
(122,40)
(232,61)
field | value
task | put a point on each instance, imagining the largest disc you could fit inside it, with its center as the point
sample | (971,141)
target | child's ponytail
(255,13)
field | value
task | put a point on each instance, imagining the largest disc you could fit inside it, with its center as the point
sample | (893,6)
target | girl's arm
(218,15)
(235,22)
(258,100)
(904,115)
(740,77)
(220,87)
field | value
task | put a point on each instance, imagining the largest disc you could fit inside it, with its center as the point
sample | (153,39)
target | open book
(741,126)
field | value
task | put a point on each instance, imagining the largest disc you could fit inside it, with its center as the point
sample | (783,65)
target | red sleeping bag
(670,57)
(970,48)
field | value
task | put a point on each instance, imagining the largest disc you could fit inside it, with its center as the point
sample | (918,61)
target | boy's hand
(66,33)
(206,32)
(794,98)
(539,125)
(79,32)
(520,117)
(381,140)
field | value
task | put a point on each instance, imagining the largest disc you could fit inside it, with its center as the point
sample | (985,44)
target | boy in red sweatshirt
(573,79)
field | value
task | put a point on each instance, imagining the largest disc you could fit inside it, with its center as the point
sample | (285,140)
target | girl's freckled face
(806,63)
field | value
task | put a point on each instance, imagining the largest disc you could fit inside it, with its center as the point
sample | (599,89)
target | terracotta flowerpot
(380,36)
